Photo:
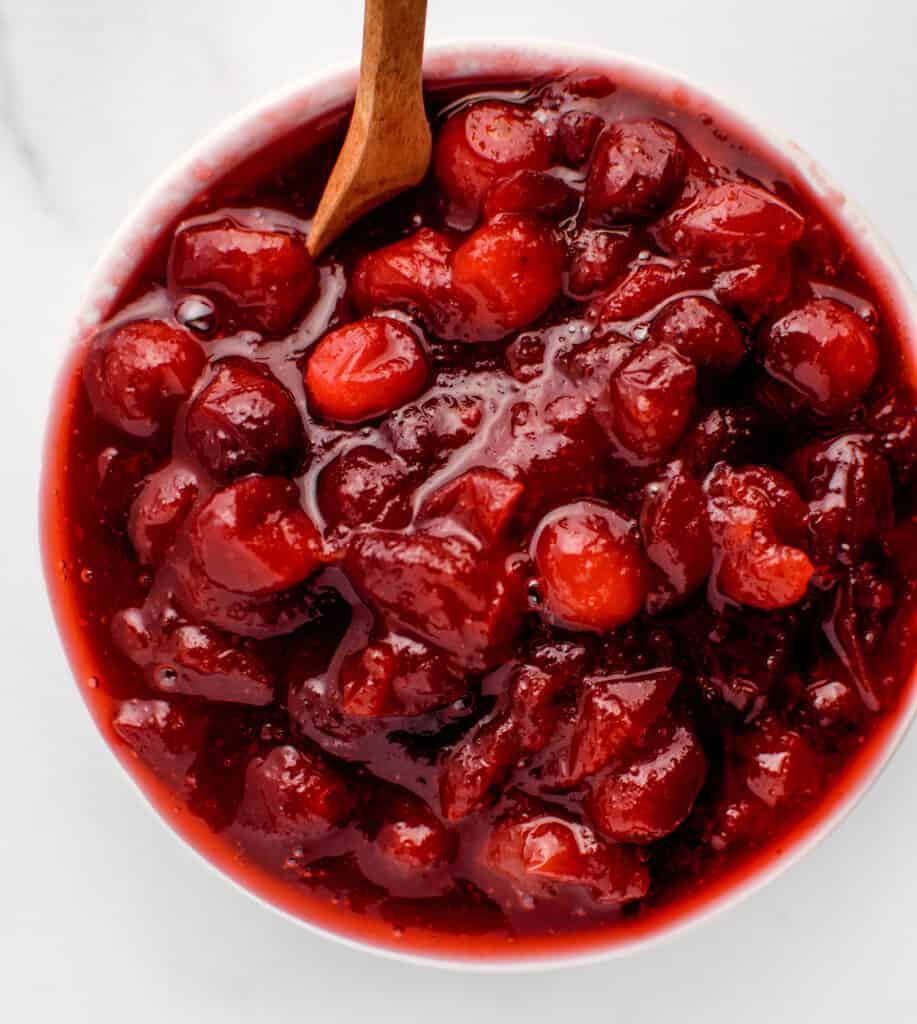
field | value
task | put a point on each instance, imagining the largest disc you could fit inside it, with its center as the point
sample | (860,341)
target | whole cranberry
(652,397)
(159,510)
(593,571)
(732,224)
(824,353)
(137,374)
(509,272)
(701,331)
(268,276)
(253,537)
(245,421)
(409,836)
(654,794)
(637,169)
(483,142)
(365,485)
(363,370)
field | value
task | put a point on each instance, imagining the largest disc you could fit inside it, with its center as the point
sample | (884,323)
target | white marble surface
(103,917)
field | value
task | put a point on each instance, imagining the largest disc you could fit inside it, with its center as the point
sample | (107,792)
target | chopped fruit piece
(638,168)
(652,397)
(254,538)
(509,272)
(540,851)
(752,512)
(732,224)
(137,374)
(158,512)
(483,142)
(163,734)
(364,370)
(824,353)
(472,770)
(653,795)
(614,713)
(531,192)
(297,793)
(755,289)
(645,287)
(481,502)
(266,275)
(596,259)
(594,574)
(245,421)
(441,589)
(676,535)
(701,331)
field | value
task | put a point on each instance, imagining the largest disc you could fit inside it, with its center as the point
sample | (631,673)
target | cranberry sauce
(523,567)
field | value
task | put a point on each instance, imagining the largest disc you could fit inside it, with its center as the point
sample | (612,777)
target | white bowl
(304,101)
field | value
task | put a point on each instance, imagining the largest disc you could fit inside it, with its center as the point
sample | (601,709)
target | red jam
(529,566)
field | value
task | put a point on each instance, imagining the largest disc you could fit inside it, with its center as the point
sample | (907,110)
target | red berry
(483,142)
(653,795)
(509,271)
(159,510)
(701,331)
(363,486)
(593,571)
(163,734)
(471,772)
(245,421)
(531,192)
(645,286)
(363,370)
(755,289)
(726,434)
(441,589)
(268,276)
(596,258)
(296,793)
(732,224)
(614,713)
(254,538)
(824,353)
(652,397)
(137,374)
(676,535)
(411,837)
(577,131)
(481,502)
(638,168)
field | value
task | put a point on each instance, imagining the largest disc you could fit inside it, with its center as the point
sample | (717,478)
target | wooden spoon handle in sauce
(388,144)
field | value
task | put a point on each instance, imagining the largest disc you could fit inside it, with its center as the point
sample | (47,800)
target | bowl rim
(308,97)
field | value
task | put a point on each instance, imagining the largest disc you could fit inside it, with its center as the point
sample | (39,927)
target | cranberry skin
(509,271)
(365,485)
(245,421)
(850,493)
(824,353)
(778,764)
(294,793)
(756,288)
(158,512)
(440,589)
(163,734)
(481,502)
(614,713)
(410,838)
(414,273)
(531,192)
(652,397)
(363,370)
(268,275)
(471,772)
(594,574)
(676,535)
(645,286)
(731,224)
(596,258)
(137,374)
(701,331)
(638,168)
(727,434)
(652,796)
(577,131)
(253,537)
(541,852)
(831,700)
(753,513)
(484,142)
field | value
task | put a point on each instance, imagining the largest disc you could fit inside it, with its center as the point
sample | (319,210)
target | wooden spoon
(388,143)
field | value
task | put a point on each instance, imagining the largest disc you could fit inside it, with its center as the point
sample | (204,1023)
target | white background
(103,916)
